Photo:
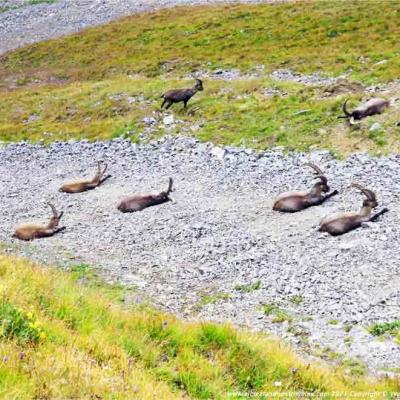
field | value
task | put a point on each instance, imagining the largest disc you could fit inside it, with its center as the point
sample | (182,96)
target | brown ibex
(371,107)
(343,222)
(82,186)
(139,203)
(295,201)
(31,231)
(178,95)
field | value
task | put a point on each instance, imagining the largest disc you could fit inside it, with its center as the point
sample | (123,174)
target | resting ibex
(371,107)
(30,232)
(139,203)
(295,201)
(178,95)
(343,222)
(82,186)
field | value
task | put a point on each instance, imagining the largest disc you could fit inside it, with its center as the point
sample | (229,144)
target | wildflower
(29,315)
(21,355)
(5,358)
(42,335)
(278,383)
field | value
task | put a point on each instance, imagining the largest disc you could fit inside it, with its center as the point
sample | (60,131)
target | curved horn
(368,193)
(315,168)
(170,185)
(53,209)
(344,108)
(104,169)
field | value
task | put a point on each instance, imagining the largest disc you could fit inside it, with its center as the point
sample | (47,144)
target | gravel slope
(32,23)
(188,257)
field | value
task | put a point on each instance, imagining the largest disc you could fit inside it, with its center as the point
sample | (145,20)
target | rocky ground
(191,257)
(22,22)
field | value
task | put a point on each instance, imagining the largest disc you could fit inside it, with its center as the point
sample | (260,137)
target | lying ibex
(371,107)
(295,201)
(30,232)
(82,186)
(178,95)
(343,222)
(139,203)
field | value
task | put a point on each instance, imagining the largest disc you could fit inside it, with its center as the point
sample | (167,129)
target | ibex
(30,232)
(295,201)
(82,186)
(139,203)
(371,107)
(343,222)
(178,95)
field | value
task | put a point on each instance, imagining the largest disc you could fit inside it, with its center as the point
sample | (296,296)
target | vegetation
(278,315)
(101,83)
(380,329)
(7,5)
(250,287)
(76,338)
(296,299)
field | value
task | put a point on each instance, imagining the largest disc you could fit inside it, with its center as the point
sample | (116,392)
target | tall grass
(92,345)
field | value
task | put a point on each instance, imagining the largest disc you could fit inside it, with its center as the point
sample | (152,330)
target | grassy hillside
(67,335)
(307,36)
(101,83)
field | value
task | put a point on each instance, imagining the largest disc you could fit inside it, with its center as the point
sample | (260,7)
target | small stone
(169,120)
(376,126)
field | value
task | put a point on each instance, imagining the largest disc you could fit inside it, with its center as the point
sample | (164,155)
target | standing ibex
(371,107)
(82,186)
(295,201)
(139,203)
(178,95)
(343,222)
(30,232)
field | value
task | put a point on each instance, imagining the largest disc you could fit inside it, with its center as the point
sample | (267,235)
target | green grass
(392,328)
(66,88)
(80,341)
(278,314)
(296,299)
(308,36)
(8,6)
(249,287)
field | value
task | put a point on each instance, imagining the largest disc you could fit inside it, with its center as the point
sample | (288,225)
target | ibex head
(165,196)
(199,84)
(370,200)
(323,181)
(55,219)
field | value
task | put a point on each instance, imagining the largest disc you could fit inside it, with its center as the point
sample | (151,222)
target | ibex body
(139,203)
(371,107)
(31,231)
(296,201)
(181,95)
(340,223)
(82,186)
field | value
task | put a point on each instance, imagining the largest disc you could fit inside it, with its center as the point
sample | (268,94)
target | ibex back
(31,231)
(137,203)
(83,185)
(296,201)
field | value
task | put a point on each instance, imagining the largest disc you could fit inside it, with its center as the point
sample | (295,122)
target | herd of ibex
(290,202)
(335,224)
(293,201)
